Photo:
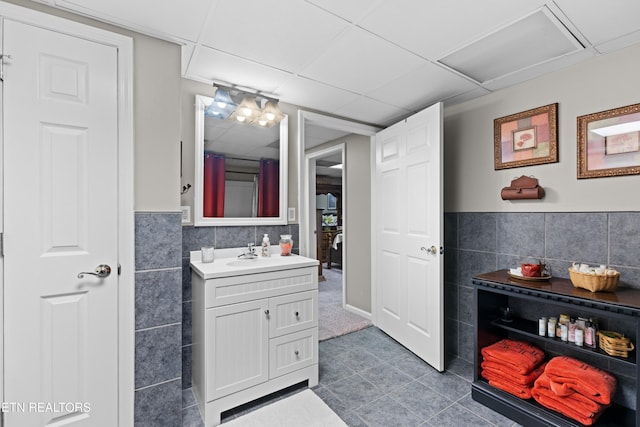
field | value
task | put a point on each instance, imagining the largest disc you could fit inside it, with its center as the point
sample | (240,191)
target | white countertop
(227,263)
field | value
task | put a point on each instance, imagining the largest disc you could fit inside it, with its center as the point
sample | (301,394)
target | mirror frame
(198,219)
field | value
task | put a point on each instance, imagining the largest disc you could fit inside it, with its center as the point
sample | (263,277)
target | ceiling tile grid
(369,60)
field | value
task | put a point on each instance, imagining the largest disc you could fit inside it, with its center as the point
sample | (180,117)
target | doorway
(325,141)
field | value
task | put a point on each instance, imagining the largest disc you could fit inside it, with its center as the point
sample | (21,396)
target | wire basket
(614,343)
(594,282)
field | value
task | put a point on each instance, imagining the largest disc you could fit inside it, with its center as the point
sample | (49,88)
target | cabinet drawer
(294,312)
(291,352)
(231,290)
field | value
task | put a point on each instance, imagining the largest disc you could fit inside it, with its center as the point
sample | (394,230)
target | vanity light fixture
(248,108)
(251,107)
(222,106)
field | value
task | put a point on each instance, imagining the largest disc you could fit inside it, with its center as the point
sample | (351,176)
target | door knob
(432,250)
(101,271)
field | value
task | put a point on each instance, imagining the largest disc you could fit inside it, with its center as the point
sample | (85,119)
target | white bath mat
(302,409)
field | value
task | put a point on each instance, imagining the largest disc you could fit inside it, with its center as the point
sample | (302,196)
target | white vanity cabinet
(255,331)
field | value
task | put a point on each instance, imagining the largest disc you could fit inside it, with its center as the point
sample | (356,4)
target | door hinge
(2,57)
(119,269)
(1,246)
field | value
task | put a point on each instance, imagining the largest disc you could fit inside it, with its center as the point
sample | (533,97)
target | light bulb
(240,118)
(222,104)
(270,116)
(247,112)
(262,122)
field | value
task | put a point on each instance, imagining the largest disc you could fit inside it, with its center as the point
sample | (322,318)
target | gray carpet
(334,320)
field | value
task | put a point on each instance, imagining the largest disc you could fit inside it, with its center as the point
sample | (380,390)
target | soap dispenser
(265,245)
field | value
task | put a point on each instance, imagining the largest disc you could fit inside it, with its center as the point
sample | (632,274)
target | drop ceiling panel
(601,21)
(369,110)
(431,29)
(211,65)
(352,10)
(311,94)
(286,34)
(532,40)
(361,62)
(172,20)
(422,87)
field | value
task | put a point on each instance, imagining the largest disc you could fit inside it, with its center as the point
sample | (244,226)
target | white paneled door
(408,232)
(60,136)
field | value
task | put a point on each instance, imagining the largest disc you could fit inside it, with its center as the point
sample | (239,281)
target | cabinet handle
(266,312)
(297,314)
(296,352)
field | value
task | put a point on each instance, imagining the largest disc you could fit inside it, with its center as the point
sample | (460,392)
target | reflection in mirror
(241,171)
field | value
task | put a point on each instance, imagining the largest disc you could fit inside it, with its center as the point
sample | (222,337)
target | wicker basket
(594,282)
(614,343)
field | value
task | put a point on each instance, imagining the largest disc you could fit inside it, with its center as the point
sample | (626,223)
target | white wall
(472,184)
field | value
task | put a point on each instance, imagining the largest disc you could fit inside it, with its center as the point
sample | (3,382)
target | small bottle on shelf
(265,246)
(590,337)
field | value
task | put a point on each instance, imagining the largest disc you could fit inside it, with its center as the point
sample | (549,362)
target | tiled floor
(368,379)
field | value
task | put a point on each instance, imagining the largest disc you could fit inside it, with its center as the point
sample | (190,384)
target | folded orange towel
(519,356)
(499,370)
(574,406)
(518,390)
(567,375)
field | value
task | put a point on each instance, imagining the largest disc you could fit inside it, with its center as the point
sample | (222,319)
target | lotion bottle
(265,245)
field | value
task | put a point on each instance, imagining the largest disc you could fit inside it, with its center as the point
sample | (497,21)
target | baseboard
(358,311)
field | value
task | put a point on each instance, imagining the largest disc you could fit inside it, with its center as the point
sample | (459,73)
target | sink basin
(244,262)
(227,264)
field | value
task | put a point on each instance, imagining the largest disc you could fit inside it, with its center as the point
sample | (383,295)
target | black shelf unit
(495,290)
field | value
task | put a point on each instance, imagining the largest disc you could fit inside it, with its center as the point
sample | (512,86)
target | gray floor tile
(485,413)
(353,392)
(447,384)
(412,365)
(386,412)
(188,399)
(386,377)
(191,417)
(462,368)
(457,416)
(359,359)
(333,370)
(421,400)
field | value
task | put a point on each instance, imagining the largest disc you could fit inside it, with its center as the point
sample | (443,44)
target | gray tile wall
(193,238)
(158,336)
(481,242)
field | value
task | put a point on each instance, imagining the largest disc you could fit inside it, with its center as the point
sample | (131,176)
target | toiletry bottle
(265,245)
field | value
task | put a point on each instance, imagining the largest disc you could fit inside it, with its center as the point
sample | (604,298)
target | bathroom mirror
(240,171)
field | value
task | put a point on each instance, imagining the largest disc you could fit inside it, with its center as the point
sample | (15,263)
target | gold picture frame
(526,138)
(609,143)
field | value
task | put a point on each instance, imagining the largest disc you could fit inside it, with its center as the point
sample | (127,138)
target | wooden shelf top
(564,288)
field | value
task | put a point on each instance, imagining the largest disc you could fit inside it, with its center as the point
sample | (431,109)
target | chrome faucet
(251,252)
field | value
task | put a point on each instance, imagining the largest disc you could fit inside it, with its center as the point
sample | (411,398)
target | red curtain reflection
(269,188)
(213,185)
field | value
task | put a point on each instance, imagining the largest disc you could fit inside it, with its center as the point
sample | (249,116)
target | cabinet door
(237,339)
(294,312)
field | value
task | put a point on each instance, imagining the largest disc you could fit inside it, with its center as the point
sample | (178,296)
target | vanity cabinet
(529,300)
(253,334)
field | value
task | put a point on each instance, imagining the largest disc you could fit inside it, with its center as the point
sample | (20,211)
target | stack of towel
(512,366)
(575,389)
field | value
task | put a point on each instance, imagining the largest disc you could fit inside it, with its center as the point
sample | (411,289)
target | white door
(408,228)
(60,136)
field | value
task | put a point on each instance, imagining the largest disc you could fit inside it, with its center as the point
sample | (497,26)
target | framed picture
(609,143)
(526,138)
